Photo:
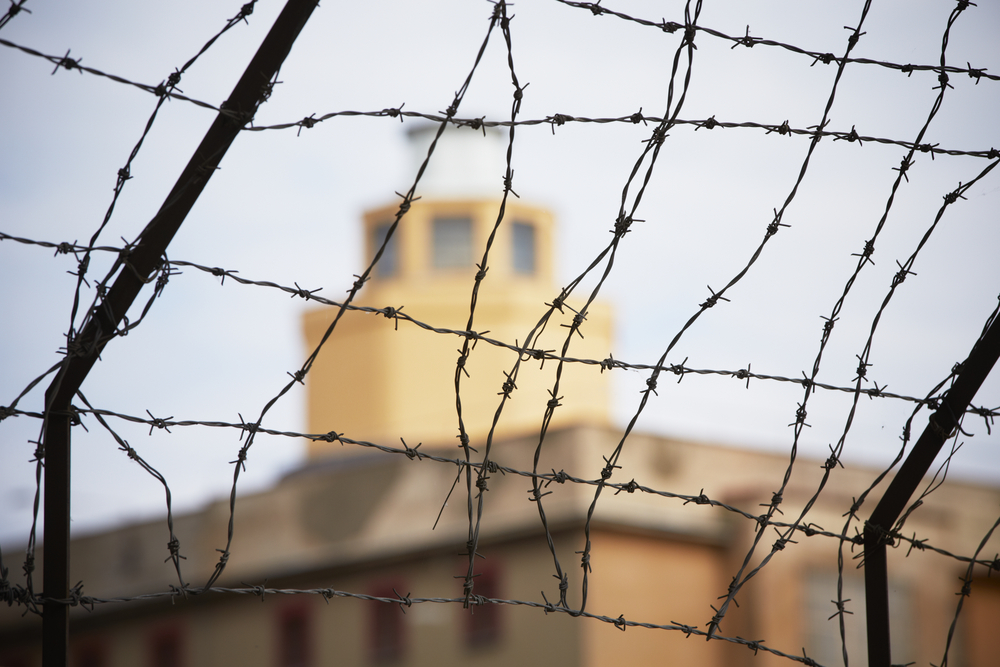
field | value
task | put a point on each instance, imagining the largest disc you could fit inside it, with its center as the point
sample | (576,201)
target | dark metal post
(102,324)
(55,559)
(940,425)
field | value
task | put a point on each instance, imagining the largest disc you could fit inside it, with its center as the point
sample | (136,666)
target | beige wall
(243,630)
(646,578)
(980,625)
(350,524)
(378,382)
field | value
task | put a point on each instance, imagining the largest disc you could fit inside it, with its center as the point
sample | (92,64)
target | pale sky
(286,208)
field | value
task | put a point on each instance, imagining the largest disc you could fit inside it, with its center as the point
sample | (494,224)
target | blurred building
(358,520)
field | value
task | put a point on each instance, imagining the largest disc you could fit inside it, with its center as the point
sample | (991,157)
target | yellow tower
(380,380)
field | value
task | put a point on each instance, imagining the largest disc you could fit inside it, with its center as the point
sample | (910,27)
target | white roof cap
(465,163)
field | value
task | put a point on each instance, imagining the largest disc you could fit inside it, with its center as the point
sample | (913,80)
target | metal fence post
(102,322)
(939,428)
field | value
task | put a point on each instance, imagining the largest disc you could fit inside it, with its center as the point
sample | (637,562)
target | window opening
(388,264)
(483,622)
(388,634)
(90,654)
(294,638)
(165,649)
(452,238)
(524,248)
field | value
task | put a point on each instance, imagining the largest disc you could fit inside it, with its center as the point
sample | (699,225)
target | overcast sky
(285,207)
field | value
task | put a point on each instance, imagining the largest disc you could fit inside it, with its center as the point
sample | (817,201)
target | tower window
(524,248)
(452,239)
(388,638)
(90,654)
(388,264)
(294,637)
(483,622)
(166,648)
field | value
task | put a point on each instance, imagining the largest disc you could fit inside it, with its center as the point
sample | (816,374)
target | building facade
(356,523)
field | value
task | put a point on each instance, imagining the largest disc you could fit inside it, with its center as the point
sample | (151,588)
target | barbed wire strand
(965,591)
(499,16)
(12,11)
(121,261)
(824,57)
(528,349)
(299,376)
(397,314)
(827,331)
(739,579)
(173,545)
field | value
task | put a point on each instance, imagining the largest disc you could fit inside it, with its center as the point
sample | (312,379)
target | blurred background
(286,203)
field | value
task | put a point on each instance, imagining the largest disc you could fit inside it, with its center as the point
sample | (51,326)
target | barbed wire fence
(475,467)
